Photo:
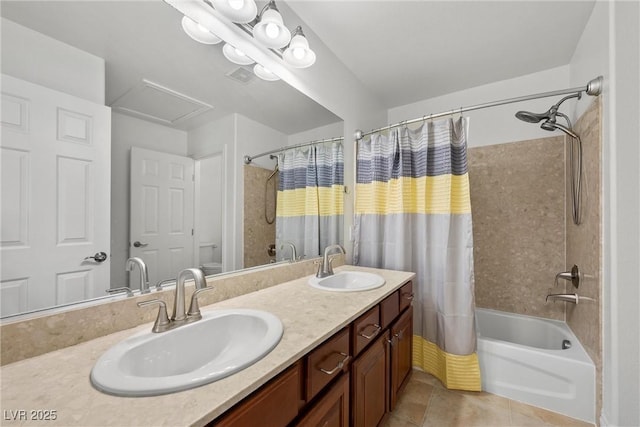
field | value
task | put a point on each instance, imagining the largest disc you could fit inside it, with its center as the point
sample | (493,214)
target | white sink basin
(348,281)
(223,342)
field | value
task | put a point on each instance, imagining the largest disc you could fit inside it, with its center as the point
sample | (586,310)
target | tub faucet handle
(573,276)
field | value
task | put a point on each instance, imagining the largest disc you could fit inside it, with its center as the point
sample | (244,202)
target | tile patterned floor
(426,403)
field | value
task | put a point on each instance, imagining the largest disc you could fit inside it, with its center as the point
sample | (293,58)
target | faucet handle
(121,289)
(162,321)
(194,308)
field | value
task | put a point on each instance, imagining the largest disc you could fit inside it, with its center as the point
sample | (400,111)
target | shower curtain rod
(593,88)
(248,159)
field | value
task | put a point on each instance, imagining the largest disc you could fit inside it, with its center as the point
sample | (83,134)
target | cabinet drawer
(327,362)
(365,329)
(278,401)
(389,309)
(406,296)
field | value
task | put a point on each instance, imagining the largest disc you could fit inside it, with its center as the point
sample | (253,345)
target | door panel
(56,185)
(162,201)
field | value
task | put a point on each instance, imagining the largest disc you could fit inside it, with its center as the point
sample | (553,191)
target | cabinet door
(370,384)
(401,352)
(332,410)
(275,404)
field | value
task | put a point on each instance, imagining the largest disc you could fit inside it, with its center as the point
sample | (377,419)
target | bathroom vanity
(343,358)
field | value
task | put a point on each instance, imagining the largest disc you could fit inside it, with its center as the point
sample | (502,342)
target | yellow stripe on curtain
(304,201)
(425,195)
(454,371)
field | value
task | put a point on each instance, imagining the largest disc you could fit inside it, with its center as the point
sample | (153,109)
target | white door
(161,214)
(56,183)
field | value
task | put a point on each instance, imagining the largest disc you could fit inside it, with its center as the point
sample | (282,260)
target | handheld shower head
(551,125)
(529,117)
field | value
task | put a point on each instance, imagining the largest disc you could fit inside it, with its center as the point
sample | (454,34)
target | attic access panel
(152,101)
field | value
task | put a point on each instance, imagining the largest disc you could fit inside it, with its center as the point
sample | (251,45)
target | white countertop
(59,381)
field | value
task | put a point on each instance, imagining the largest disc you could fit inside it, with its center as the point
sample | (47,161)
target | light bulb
(236,4)
(239,52)
(272,30)
(299,52)
(202,28)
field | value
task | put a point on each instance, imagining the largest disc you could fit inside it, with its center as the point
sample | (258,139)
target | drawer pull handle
(375,332)
(339,366)
(408,296)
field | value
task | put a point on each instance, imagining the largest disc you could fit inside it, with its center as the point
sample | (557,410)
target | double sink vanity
(306,352)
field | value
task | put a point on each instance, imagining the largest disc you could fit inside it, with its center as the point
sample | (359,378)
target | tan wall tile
(258,234)
(517,203)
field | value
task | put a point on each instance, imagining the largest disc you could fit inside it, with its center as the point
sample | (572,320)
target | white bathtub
(522,358)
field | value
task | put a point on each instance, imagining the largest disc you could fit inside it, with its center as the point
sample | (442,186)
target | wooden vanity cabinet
(401,352)
(277,403)
(351,379)
(326,362)
(332,410)
(370,384)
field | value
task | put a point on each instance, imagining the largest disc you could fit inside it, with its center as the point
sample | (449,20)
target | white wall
(496,125)
(252,138)
(127,132)
(610,45)
(39,59)
(236,136)
(332,130)
(209,204)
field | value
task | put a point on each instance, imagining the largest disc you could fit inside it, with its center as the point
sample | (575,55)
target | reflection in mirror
(127,141)
(298,205)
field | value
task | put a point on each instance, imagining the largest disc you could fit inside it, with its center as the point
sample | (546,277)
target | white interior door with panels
(162,201)
(55,154)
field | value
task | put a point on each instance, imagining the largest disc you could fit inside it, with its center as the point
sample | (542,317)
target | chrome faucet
(325,269)
(144,274)
(180,317)
(179,314)
(294,256)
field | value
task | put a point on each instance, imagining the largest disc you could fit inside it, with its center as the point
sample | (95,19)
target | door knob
(138,244)
(98,257)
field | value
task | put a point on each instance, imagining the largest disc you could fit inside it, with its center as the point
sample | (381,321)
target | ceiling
(402,51)
(407,51)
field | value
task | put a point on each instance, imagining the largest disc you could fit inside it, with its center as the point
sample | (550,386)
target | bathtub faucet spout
(573,298)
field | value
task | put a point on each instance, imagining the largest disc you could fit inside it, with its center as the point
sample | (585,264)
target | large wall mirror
(114,95)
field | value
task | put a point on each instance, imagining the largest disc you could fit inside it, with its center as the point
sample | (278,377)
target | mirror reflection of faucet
(294,256)
(144,273)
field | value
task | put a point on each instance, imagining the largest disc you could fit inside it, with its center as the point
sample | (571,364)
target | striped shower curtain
(310,198)
(413,213)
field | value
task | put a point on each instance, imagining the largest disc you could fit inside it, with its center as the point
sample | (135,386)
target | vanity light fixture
(298,54)
(270,29)
(264,73)
(235,55)
(198,32)
(238,11)
(267,28)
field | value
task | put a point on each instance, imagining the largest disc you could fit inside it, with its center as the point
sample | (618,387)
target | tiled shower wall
(258,234)
(517,202)
(584,242)
(524,234)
